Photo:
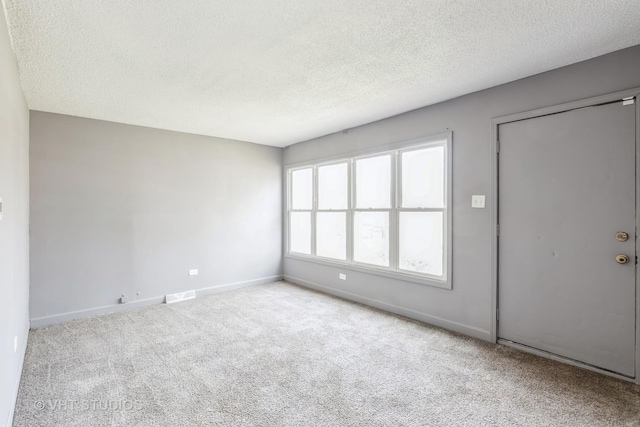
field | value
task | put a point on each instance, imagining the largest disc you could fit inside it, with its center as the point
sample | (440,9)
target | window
(421,211)
(300,213)
(331,215)
(385,212)
(372,210)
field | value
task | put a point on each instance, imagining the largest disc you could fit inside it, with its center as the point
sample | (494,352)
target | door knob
(621,236)
(622,259)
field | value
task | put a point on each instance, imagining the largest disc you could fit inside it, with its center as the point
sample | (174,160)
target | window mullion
(314,210)
(352,210)
(393,214)
(350,206)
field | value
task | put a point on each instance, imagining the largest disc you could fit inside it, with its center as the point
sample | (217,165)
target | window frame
(444,139)
(400,209)
(290,210)
(317,210)
(391,210)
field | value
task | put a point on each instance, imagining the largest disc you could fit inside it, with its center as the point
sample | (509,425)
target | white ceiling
(282,71)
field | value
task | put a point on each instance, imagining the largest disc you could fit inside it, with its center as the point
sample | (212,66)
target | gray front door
(567,185)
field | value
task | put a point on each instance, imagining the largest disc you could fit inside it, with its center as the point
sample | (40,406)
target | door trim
(494,194)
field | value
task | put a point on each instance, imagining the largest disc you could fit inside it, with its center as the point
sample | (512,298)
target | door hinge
(498,147)
(628,101)
(498,230)
(497,314)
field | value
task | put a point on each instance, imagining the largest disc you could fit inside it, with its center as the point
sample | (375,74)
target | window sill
(406,277)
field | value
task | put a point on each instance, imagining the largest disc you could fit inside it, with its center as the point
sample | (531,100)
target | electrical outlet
(193,272)
(15,344)
(343,276)
(477,201)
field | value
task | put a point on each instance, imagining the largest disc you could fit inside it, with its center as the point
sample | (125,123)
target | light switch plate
(193,272)
(342,276)
(477,201)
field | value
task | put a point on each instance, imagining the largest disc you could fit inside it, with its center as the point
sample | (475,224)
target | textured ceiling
(282,71)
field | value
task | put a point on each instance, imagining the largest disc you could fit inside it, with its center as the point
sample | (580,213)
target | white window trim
(444,139)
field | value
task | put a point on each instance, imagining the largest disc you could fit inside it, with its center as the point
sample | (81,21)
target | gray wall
(466,308)
(14,226)
(119,209)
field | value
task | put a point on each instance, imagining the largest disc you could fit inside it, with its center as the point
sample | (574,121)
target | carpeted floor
(281,355)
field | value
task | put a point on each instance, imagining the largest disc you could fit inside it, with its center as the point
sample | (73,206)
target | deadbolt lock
(621,236)
(622,259)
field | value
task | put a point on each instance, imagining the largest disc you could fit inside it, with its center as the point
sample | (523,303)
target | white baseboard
(237,285)
(16,385)
(402,311)
(81,314)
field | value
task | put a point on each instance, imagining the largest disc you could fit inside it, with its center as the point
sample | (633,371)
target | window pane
(333,186)
(421,242)
(302,189)
(373,182)
(423,178)
(331,241)
(371,238)
(300,230)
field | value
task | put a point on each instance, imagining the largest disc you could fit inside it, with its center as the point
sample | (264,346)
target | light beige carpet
(281,355)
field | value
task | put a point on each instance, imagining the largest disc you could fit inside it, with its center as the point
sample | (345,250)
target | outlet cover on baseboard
(180,296)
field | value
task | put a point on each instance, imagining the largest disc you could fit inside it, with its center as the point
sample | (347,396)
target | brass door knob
(621,236)
(622,259)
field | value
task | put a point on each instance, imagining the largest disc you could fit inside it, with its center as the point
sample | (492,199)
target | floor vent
(180,296)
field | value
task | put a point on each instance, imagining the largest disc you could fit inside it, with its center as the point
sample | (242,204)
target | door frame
(559,108)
